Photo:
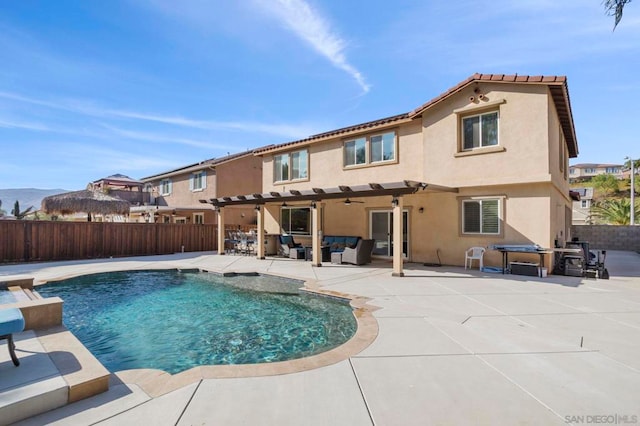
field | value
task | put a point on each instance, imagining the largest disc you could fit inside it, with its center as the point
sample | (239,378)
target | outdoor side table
(336,258)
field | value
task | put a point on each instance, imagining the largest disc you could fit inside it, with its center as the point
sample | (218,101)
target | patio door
(381,230)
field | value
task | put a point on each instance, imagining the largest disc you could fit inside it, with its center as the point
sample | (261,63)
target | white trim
(198,215)
(201,176)
(169,186)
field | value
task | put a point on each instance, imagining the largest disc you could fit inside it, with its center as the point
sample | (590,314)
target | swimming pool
(173,321)
(6,297)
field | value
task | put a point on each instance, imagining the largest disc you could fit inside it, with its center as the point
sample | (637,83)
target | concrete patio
(454,347)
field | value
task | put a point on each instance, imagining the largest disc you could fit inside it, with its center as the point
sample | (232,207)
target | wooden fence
(23,241)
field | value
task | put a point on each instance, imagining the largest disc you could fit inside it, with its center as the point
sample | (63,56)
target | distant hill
(26,196)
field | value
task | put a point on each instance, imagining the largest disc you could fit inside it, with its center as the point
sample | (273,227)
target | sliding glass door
(381,230)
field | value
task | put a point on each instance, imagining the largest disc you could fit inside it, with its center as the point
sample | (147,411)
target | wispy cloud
(76,154)
(285,130)
(308,24)
(13,124)
(288,131)
(162,138)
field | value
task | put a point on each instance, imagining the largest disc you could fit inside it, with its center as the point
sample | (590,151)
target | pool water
(174,321)
(6,297)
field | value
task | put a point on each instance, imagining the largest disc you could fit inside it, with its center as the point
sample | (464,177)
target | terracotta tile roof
(557,86)
(333,133)
(477,77)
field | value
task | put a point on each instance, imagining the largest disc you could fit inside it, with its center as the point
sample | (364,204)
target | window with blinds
(481,216)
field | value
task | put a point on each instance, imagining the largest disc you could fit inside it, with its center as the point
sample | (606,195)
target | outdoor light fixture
(421,210)
(313,204)
(284,204)
(257,208)
(394,202)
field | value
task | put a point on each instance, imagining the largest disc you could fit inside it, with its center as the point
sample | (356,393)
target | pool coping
(157,382)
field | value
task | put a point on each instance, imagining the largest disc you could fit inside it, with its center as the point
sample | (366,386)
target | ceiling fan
(348,202)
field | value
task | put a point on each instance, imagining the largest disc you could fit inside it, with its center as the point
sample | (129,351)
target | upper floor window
(198,181)
(165,187)
(355,152)
(369,150)
(480,130)
(585,204)
(589,170)
(291,166)
(198,218)
(613,170)
(481,216)
(572,171)
(383,147)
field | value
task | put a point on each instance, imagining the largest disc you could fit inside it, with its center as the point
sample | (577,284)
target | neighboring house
(581,172)
(582,207)
(485,162)
(174,196)
(120,186)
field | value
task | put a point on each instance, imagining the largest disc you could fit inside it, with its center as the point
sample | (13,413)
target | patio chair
(11,321)
(246,244)
(474,253)
(359,255)
(286,244)
(232,243)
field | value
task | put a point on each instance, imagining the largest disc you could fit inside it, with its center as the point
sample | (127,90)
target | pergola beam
(317,194)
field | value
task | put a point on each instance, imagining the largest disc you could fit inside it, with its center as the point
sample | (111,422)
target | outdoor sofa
(359,255)
(337,243)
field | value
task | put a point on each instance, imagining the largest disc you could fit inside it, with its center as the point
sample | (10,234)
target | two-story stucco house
(582,207)
(585,171)
(176,194)
(485,162)
(123,187)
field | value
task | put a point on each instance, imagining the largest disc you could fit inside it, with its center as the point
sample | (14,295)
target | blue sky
(89,88)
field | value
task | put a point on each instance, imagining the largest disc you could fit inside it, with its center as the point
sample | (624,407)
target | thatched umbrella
(87,201)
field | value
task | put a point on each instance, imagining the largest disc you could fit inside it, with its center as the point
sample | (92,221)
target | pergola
(394,189)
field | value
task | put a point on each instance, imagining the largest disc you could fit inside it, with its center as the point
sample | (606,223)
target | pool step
(23,294)
(55,370)
(84,374)
(32,388)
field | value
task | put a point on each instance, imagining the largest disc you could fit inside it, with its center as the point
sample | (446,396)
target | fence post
(27,240)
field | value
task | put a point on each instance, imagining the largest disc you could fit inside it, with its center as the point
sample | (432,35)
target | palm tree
(20,214)
(615,8)
(614,212)
(2,212)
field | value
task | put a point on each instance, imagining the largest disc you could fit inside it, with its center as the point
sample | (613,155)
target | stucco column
(397,237)
(316,232)
(220,230)
(260,236)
